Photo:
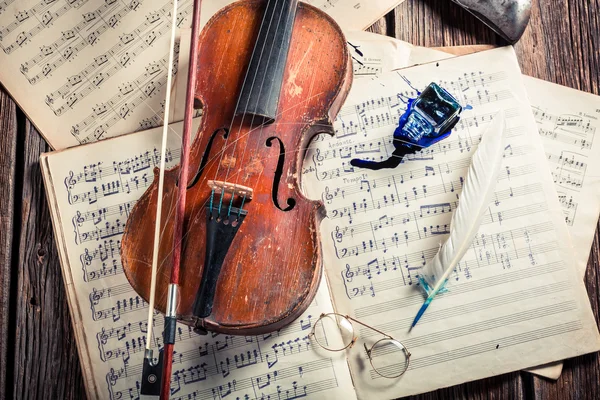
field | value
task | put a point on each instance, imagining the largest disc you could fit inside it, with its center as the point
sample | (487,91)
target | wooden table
(38,356)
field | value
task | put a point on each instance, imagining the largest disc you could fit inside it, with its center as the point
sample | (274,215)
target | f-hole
(206,154)
(278,172)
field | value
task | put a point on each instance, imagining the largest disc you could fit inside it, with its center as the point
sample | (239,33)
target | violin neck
(260,92)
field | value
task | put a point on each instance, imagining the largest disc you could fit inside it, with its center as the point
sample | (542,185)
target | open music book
(568,121)
(515,301)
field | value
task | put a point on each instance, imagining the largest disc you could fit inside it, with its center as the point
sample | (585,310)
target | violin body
(245,212)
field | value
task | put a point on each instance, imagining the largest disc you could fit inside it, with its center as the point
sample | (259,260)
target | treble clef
(318,158)
(95,296)
(70,180)
(348,274)
(327,195)
(86,258)
(103,336)
(338,236)
(79,219)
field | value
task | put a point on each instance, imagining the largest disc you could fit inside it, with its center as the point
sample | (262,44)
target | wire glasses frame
(344,325)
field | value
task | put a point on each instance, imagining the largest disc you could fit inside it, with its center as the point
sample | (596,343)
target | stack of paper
(515,301)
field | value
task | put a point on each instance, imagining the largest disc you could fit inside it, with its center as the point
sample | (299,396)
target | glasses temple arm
(368,326)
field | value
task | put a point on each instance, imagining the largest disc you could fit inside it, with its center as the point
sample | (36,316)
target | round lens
(333,332)
(389,358)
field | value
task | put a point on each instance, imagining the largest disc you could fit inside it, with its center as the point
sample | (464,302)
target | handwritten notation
(567,123)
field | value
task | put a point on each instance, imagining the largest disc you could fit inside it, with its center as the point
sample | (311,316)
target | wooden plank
(46,364)
(379,27)
(8,149)
(508,386)
(434,23)
(543,48)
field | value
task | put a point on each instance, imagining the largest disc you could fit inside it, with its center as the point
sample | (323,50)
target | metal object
(172,297)
(343,323)
(508,18)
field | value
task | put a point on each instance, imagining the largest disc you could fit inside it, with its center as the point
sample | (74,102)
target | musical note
(568,130)
(385,246)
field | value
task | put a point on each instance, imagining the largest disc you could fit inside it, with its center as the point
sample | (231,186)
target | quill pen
(476,195)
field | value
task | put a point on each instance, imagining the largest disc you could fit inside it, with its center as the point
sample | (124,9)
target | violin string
(225,146)
(244,82)
(172,209)
(261,127)
(287,21)
(201,205)
(161,183)
(243,115)
(306,105)
(260,90)
(161,178)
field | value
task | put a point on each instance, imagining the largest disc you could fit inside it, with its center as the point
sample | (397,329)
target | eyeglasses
(388,357)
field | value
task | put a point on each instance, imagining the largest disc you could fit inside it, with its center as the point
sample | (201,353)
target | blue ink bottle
(428,119)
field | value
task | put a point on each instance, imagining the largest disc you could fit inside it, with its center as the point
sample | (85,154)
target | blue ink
(410,84)
(360,53)
(427,288)
(428,119)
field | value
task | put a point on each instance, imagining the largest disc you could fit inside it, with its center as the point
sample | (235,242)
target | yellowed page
(87,70)
(91,190)
(567,122)
(373,54)
(515,301)
(569,125)
(356,14)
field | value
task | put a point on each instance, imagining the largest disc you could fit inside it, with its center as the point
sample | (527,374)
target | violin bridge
(226,187)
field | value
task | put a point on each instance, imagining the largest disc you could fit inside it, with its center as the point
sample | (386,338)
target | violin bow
(156,376)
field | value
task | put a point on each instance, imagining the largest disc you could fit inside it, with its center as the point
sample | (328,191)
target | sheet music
(515,301)
(569,125)
(543,96)
(87,70)
(355,14)
(567,122)
(373,54)
(91,190)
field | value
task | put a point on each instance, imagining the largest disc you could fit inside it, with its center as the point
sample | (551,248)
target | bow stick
(156,377)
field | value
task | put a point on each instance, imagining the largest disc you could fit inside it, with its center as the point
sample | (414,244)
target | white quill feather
(477,194)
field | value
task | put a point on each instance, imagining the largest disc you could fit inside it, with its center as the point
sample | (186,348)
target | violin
(237,237)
